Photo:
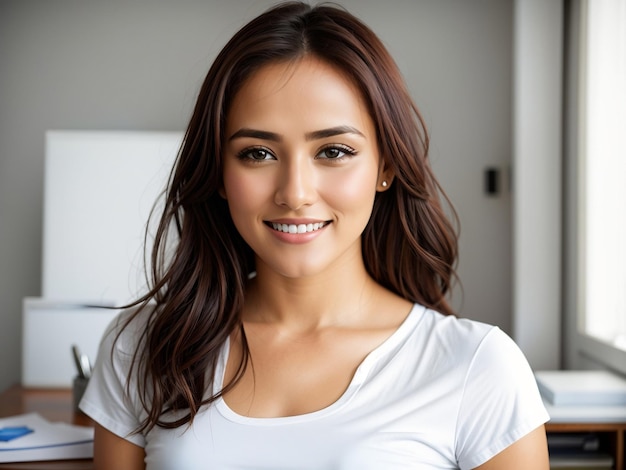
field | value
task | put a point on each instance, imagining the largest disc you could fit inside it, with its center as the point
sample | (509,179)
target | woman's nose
(296,186)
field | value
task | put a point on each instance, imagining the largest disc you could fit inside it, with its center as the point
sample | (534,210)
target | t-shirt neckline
(397,337)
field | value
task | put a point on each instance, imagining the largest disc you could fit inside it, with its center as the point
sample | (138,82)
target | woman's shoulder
(453,329)
(460,341)
(127,328)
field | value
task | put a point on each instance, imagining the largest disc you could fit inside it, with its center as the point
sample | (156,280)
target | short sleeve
(107,400)
(501,402)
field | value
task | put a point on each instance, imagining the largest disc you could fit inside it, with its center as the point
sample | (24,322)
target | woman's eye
(256,154)
(335,153)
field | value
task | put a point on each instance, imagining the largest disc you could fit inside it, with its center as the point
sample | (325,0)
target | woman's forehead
(308,89)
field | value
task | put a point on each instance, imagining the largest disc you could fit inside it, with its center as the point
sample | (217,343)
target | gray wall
(77,64)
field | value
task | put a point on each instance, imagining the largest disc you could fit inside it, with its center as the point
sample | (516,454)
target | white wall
(537,169)
(75,64)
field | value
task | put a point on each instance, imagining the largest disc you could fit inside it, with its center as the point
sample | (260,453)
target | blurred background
(138,65)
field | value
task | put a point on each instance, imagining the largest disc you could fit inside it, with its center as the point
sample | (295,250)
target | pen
(82,363)
(86,365)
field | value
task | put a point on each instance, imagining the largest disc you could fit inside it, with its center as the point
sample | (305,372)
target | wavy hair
(409,245)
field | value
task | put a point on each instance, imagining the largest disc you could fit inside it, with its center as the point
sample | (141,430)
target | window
(602,182)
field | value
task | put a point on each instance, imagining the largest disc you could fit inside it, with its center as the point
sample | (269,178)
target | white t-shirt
(440,393)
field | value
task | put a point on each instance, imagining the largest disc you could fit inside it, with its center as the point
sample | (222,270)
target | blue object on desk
(8,434)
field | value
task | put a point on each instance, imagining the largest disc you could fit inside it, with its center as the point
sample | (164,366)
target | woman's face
(301,167)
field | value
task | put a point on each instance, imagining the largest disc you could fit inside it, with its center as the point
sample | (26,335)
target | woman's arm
(111,451)
(530,452)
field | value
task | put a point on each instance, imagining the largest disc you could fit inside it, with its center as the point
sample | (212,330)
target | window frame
(582,351)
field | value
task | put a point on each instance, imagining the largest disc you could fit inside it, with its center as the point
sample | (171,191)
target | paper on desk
(48,441)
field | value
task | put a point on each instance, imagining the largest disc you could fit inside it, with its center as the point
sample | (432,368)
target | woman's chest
(394,436)
(296,376)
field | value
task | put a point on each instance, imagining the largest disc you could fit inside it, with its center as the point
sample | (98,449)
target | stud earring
(384,184)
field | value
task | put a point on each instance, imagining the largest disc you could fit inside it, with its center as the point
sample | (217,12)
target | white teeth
(301,228)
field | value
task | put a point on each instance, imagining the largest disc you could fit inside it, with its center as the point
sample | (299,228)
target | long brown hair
(409,245)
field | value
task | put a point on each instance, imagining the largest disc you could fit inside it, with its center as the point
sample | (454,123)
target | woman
(299,319)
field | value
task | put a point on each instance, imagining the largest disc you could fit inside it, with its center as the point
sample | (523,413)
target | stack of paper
(29,437)
(582,388)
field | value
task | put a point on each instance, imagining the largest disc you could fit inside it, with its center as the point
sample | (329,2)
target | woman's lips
(297,228)
(297,231)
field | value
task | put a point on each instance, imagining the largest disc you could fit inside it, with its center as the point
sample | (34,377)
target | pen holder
(78,389)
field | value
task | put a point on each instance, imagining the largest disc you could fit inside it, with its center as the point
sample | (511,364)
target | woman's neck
(335,298)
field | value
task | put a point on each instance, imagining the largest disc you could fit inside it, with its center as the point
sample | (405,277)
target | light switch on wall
(492,181)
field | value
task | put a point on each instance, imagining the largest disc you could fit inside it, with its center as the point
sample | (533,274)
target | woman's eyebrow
(313,135)
(256,134)
(331,132)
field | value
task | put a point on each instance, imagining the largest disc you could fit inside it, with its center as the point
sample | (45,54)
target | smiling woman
(317,167)
(300,319)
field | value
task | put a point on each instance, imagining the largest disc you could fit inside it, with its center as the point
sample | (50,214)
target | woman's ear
(385,178)
(222,192)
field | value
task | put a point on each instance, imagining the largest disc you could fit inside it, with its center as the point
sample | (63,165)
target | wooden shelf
(613,436)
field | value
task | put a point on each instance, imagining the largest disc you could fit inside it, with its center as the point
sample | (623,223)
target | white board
(99,189)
